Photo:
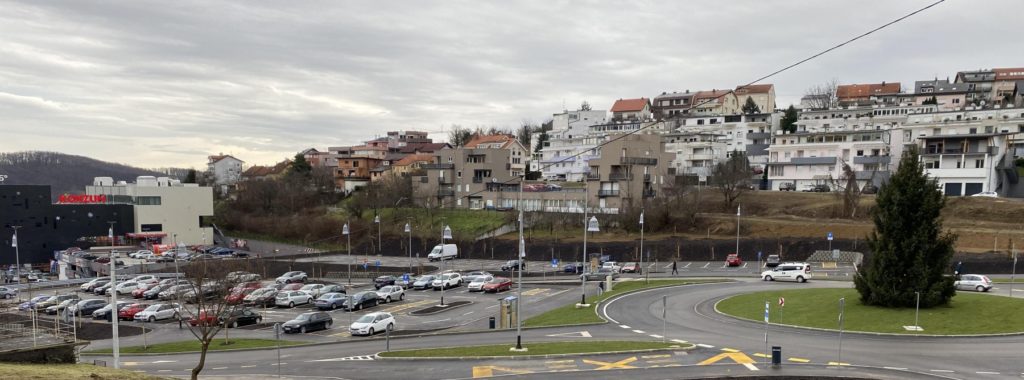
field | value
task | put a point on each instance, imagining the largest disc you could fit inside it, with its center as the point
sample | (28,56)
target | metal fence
(27,331)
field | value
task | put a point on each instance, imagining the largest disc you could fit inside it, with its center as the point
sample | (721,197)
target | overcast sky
(165,83)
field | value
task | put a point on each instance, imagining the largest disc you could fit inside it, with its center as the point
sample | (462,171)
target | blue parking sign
(378,263)
(405,277)
(554,263)
(829,236)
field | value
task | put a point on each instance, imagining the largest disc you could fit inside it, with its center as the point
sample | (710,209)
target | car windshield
(426,278)
(495,281)
(304,317)
(365,319)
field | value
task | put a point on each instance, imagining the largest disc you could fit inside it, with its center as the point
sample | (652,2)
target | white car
(146,279)
(391,293)
(372,323)
(141,254)
(290,277)
(477,285)
(158,311)
(613,265)
(125,287)
(312,289)
(987,194)
(973,282)
(799,272)
(290,298)
(89,285)
(447,280)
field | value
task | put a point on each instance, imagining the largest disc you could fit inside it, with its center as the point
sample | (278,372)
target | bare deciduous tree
(732,177)
(207,301)
(823,96)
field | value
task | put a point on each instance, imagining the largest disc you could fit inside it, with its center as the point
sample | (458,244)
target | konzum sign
(82,198)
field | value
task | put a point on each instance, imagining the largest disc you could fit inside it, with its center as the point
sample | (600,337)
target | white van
(799,272)
(443,252)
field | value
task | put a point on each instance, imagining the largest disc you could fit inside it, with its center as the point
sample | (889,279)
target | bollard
(491,320)
(776,356)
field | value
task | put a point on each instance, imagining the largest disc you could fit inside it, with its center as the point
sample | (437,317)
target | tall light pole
(521,263)
(177,273)
(345,231)
(380,249)
(737,230)
(646,275)
(113,298)
(408,230)
(591,226)
(17,256)
(446,233)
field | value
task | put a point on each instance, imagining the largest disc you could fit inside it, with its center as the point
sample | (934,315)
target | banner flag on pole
(14,241)
(766,305)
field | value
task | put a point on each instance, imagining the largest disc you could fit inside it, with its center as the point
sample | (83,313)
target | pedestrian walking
(675,271)
(600,288)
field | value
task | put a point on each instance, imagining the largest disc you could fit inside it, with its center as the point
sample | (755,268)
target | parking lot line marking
(639,331)
(624,326)
(248,366)
(533,292)
(799,360)
(679,341)
(744,265)
(164,370)
(656,336)
(560,361)
(687,265)
(706,265)
(730,350)
(986,373)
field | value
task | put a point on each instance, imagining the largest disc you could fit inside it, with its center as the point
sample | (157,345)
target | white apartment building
(811,158)
(750,134)
(570,146)
(164,208)
(226,171)
(696,153)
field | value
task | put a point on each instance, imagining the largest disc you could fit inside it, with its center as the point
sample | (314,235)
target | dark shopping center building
(48,227)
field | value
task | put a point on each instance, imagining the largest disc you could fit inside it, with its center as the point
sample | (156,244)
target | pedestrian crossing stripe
(533,292)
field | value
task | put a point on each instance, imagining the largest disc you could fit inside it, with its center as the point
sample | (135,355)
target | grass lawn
(464,223)
(967,313)
(577,347)
(193,346)
(68,372)
(569,314)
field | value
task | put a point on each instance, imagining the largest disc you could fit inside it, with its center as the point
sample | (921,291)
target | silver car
(973,282)
(6,292)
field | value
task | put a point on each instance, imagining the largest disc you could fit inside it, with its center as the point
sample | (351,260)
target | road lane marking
(165,370)
(760,355)
(639,331)
(941,370)
(655,356)
(730,350)
(656,336)
(986,373)
(533,292)
(799,360)
(219,368)
(488,371)
(621,364)
(560,361)
(679,341)
(705,345)
(838,363)
(165,361)
(248,366)
(577,334)
(738,357)
(896,368)
(706,265)
(624,326)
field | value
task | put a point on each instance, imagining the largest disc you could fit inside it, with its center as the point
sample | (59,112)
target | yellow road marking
(560,361)
(129,363)
(738,357)
(760,355)
(655,356)
(488,371)
(838,363)
(533,292)
(406,306)
(799,360)
(730,350)
(621,364)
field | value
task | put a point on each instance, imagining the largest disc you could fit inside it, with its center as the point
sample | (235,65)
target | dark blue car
(30,304)
(573,268)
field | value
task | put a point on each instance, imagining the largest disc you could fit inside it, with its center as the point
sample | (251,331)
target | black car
(513,265)
(772,261)
(154,292)
(240,317)
(317,320)
(104,312)
(383,281)
(85,308)
(361,300)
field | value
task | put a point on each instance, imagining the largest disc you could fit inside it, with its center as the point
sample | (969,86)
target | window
(355,164)
(978,164)
(860,153)
(147,201)
(151,227)
(956,101)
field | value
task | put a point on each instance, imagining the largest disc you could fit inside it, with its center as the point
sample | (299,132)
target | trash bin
(776,356)
(491,320)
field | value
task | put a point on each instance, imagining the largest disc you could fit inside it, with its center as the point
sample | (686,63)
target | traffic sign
(829,236)
(782,301)
(366,266)
(554,263)
(405,277)
(378,263)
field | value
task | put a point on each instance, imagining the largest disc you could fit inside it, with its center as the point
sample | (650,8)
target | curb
(208,352)
(440,311)
(868,333)
(529,357)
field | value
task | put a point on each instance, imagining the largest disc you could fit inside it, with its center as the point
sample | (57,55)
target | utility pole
(113,297)
(17,257)
(583,261)
(521,263)
(380,249)
(646,277)
(408,229)
(345,231)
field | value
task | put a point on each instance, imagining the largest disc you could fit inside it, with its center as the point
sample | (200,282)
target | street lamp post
(345,231)
(380,249)
(177,273)
(17,256)
(113,298)
(446,233)
(408,230)
(519,291)
(646,277)
(737,230)
(591,226)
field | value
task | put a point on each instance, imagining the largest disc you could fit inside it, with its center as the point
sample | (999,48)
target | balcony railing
(607,193)
(647,178)
(650,193)
(638,161)
(593,176)
(437,166)
(478,180)
(620,177)
(446,193)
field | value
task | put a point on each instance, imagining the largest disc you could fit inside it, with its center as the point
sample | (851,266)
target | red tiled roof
(263,171)
(1013,73)
(413,158)
(218,157)
(629,105)
(755,89)
(847,91)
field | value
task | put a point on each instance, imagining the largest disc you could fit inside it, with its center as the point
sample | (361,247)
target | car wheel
(328,324)
(391,326)
(801,279)
(768,278)
(334,306)
(302,329)
(401,296)
(234,324)
(291,304)
(981,288)
(177,316)
(259,320)
(371,331)
(152,319)
(387,300)
(359,307)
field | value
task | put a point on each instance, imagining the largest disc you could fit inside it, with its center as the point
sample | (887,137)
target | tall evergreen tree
(750,106)
(910,251)
(789,118)
(300,165)
(190,177)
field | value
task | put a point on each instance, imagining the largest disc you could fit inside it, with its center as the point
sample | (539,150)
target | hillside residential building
(696,153)
(260,172)
(948,96)
(564,156)
(316,158)
(672,104)
(354,172)
(861,94)
(763,96)
(745,133)
(989,87)
(226,171)
(715,102)
(631,109)
(812,158)
(411,164)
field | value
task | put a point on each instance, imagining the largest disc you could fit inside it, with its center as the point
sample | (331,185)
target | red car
(733,260)
(139,292)
(498,284)
(247,285)
(206,319)
(293,286)
(128,313)
(237,295)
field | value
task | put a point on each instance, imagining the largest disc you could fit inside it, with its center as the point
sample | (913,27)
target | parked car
(154,292)
(391,293)
(292,286)
(333,289)
(613,265)
(443,252)
(141,254)
(477,285)
(498,284)
(986,194)
(240,317)
(382,281)
(819,188)
(88,286)
(601,274)
(56,309)
(105,312)
(573,268)
(246,285)
(174,292)
(293,276)
(513,265)
(973,282)
(372,323)
(125,287)
(290,298)
(799,272)
(237,296)
(242,276)
(869,189)
(145,279)
(631,268)
(772,261)
(86,307)
(204,318)
(261,297)
(361,300)
(330,301)
(316,320)
(8,292)
(424,282)
(102,289)
(139,291)
(447,280)
(31,304)
(159,311)
(787,186)
(54,300)
(733,260)
(128,312)
(312,289)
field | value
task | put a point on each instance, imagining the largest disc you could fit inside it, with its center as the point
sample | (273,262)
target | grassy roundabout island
(547,348)
(966,314)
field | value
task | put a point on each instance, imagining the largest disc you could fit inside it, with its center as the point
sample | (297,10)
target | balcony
(638,161)
(437,166)
(607,193)
(647,178)
(593,176)
(446,193)
(478,180)
(650,193)
(871,160)
(759,135)
(620,177)
(813,161)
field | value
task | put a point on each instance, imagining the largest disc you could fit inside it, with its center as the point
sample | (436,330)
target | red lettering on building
(82,198)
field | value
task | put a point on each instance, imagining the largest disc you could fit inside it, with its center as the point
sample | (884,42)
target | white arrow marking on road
(578,334)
